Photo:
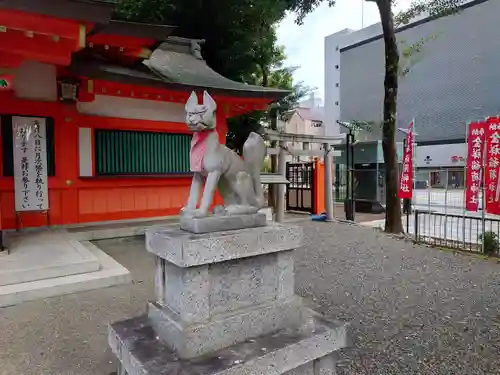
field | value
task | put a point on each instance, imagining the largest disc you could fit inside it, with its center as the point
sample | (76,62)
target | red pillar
(319,187)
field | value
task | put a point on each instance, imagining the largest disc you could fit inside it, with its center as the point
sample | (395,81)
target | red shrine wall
(74,198)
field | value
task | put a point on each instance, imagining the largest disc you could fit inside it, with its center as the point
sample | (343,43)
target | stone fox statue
(238,179)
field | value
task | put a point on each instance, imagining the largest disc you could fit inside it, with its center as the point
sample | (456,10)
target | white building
(307,118)
(455,80)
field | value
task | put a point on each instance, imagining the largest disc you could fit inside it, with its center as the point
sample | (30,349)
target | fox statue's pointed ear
(209,102)
(192,102)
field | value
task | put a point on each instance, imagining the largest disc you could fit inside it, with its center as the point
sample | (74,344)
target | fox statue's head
(200,117)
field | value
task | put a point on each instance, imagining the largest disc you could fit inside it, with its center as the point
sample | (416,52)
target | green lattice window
(119,152)
(8,145)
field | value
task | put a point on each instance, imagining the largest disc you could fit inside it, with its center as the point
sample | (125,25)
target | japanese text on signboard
(406,178)
(30,164)
(492,166)
(474,166)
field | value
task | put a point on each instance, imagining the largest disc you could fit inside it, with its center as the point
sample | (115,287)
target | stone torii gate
(328,153)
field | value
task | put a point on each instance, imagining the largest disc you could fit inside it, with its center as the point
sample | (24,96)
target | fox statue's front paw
(219,210)
(200,213)
(193,212)
(188,211)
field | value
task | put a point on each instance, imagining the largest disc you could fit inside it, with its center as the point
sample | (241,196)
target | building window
(337,84)
(336,66)
(316,124)
(8,145)
(336,103)
(119,152)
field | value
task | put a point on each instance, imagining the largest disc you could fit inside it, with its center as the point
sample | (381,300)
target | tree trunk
(393,204)
(265,76)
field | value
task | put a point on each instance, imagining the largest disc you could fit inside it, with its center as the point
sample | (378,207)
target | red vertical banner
(492,188)
(406,178)
(476,139)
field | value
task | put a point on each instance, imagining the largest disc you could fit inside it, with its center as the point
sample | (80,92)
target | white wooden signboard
(30,163)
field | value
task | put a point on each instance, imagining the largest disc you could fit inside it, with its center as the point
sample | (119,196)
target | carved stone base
(217,223)
(194,340)
(308,351)
(225,304)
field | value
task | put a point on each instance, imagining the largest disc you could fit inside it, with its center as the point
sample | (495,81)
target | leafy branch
(432,8)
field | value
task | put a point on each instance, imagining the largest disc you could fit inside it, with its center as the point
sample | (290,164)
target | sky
(304,45)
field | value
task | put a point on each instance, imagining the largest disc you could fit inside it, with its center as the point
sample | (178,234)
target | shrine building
(92,114)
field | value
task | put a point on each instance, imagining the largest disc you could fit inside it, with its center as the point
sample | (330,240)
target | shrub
(490,241)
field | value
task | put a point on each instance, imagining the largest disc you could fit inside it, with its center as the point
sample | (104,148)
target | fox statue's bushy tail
(254,153)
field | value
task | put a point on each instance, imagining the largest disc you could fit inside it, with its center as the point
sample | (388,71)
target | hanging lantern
(67,89)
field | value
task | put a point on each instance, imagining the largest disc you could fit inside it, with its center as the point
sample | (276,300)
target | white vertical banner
(30,163)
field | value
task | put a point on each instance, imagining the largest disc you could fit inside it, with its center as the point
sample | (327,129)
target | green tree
(389,23)
(269,71)
(241,44)
(232,28)
(240,127)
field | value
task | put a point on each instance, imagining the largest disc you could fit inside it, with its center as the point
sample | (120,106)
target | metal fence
(443,186)
(438,215)
(442,200)
(439,218)
(464,232)
(434,189)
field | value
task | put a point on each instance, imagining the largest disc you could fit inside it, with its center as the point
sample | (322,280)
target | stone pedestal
(225,304)
(222,223)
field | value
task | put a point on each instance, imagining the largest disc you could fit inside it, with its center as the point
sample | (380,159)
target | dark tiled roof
(170,67)
(184,68)
(98,11)
(137,30)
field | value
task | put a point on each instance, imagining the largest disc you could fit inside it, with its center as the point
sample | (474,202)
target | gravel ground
(412,310)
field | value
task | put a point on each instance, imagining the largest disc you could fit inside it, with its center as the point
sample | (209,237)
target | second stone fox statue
(237,179)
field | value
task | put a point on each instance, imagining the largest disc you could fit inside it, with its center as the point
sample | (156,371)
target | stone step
(46,260)
(110,273)
(312,349)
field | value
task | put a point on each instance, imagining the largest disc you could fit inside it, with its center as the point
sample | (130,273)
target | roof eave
(88,71)
(94,11)
(137,30)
